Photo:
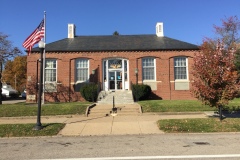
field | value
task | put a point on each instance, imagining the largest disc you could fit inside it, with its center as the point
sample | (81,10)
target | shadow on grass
(48,125)
(227,114)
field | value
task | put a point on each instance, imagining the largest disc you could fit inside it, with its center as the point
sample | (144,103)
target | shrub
(141,92)
(89,92)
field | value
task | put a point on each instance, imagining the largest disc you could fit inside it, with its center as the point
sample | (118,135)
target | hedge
(141,91)
(89,92)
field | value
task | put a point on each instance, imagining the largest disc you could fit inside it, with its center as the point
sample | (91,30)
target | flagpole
(44,57)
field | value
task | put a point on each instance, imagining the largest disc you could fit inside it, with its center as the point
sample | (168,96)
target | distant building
(114,62)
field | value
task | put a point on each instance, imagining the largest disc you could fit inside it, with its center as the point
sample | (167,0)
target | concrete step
(119,97)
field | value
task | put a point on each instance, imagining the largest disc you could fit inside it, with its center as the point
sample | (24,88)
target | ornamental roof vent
(71,30)
(159,29)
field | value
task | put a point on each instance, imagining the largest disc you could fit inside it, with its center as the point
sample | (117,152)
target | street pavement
(81,125)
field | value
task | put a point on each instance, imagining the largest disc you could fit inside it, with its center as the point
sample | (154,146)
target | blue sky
(186,20)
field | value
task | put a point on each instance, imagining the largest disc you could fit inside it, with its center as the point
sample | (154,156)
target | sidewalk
(79,125)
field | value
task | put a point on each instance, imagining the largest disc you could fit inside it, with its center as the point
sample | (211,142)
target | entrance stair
(119,97)
(123,104)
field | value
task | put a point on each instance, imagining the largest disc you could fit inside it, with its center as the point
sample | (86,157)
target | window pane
(50,70)
(148,62)
(82,70)
(50,64)
(180,68)
(51,75)
(115,63)
(148,68)
(180,73)
(148,74)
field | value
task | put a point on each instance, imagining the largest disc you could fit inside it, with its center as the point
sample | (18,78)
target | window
(180,68)
(125,70)
(115,63)
(160,28)
(148,67)
(82,70)
(50,70)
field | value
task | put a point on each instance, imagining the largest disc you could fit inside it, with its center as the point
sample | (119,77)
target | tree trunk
(220,112)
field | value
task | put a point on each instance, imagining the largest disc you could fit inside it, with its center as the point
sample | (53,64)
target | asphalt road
(160,146)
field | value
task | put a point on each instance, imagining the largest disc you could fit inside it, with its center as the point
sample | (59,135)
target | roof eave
(121,50)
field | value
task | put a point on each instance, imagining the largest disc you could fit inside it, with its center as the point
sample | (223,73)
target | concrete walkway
(80,125)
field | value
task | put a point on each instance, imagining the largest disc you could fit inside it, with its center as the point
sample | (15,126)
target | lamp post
(136,73)
(39,126)
(93,76)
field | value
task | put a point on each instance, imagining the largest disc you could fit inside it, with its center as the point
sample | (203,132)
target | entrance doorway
(115,74)
(115,80)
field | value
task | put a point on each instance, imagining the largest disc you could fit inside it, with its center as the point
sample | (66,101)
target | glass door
(112,80)
(115,80)
(118,79)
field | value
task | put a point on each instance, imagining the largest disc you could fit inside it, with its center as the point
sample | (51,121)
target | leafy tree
(215,76)
(228,33)
(237,61)
(7,51)
(215,66)
(116,33)
(15,72)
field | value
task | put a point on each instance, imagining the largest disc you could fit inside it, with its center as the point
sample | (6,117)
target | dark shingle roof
(118,43)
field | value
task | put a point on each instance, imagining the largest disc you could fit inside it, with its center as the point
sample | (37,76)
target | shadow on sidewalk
(94,118)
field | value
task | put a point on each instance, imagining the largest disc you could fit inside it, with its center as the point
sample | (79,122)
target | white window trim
(182,80)
(154,61)
(56,70)
(76,70)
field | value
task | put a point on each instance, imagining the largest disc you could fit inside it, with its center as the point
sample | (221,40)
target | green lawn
(172,125)
(182,106)
(199,125)
(174,106)
(25,109)
(26,130)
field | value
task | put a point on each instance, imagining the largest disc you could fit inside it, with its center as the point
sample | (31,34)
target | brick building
(114,62)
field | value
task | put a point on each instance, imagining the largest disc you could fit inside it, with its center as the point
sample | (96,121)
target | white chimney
(71,30)
(159,29)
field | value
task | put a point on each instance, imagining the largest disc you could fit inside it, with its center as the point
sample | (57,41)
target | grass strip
(26,130)
(184,106)
(200,125)
(25,109)
(174,106)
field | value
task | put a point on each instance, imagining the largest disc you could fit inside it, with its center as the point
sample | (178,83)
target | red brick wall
(66,73)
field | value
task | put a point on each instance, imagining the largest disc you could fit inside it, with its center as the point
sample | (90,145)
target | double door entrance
(115,74)
(115,80)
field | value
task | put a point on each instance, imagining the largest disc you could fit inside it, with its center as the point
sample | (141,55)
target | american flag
(35,37)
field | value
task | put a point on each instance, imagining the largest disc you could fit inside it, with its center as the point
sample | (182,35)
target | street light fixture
(39,126)
(93,80)
(136,73)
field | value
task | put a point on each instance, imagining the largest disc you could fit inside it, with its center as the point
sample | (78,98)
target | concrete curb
(140,108)
(174,113)
(92,105)
(88,109)
(34,117)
